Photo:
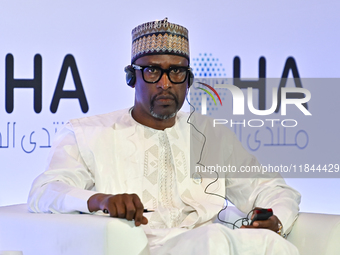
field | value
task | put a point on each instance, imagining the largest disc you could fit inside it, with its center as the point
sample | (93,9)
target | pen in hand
(145,211)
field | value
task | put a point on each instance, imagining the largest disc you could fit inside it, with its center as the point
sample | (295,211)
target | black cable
(244,221)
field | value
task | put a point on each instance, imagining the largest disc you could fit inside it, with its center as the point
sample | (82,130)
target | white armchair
(68,234)
(56,234)
(312,233)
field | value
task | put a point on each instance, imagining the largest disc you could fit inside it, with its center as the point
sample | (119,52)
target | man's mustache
(168,95)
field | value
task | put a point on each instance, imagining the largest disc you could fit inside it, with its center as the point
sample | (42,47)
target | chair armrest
(316,234)
(312,233)
(55,234)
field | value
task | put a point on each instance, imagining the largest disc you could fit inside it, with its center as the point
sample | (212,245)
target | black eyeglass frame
(167,71)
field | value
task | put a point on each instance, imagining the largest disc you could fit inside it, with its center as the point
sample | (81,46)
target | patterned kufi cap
(159,37)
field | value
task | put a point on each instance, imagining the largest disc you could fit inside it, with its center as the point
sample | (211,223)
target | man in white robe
(132,159)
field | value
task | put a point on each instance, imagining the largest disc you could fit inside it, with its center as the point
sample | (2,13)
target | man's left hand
(272,223)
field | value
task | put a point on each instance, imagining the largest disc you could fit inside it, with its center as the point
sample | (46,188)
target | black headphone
(131,76)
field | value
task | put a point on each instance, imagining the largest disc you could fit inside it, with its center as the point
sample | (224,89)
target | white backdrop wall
(98,37)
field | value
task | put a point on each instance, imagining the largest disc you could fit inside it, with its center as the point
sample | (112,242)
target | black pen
(145,210)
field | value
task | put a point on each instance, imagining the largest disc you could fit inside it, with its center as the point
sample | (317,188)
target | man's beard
(162,116)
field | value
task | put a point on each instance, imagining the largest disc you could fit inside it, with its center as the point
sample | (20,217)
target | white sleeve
(256,191)
(66,184)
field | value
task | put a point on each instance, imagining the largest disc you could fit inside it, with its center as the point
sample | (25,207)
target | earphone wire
(245,221)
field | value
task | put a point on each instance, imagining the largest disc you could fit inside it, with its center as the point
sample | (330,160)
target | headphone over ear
(191,79)
(131,76)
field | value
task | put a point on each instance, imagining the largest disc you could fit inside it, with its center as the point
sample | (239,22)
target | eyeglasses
(152,74)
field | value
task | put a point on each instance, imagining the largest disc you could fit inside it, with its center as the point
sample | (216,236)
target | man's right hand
(124,206)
